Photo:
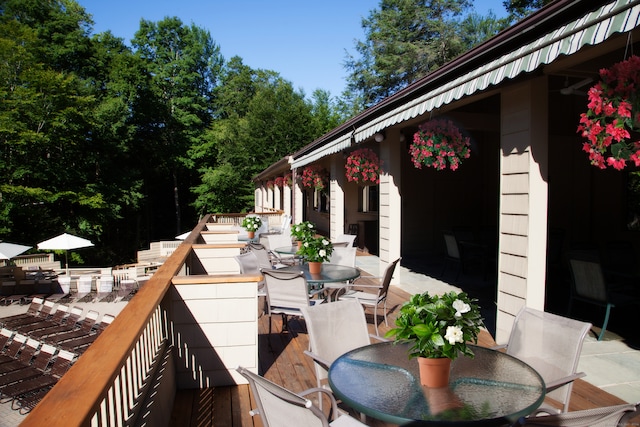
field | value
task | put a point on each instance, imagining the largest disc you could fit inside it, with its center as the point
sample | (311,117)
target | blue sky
(306,42)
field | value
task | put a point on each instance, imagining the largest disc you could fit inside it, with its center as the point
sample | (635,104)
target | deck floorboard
(281,360)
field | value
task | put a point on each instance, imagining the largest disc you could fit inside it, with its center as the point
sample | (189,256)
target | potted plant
(438,327)
(315,251)
(303,231)
(439,144)
(612,119)
(363,167)
(251,224)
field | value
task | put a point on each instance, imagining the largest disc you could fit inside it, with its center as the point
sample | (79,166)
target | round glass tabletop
(381,381)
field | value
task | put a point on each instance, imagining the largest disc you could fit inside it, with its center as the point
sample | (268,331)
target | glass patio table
(491,389)
(330,273)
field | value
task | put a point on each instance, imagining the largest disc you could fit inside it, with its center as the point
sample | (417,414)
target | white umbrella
(65,242)
(10,250)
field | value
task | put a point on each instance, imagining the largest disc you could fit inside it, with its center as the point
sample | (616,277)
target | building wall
(523,202)
(390,216)
(337,196)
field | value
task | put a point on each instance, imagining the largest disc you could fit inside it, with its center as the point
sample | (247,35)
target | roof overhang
(560,29)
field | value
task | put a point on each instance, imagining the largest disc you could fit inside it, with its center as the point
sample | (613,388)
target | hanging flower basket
(287,180)
(363,167)
(439,144)
(613,113)
(270,184)
(279,181)
(314,177)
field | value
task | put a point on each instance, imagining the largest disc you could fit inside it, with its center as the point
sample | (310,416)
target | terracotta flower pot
(434,372)
(251,234)
(299,244)
(315,267)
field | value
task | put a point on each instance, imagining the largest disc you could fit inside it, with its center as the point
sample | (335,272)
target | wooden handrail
(78,394)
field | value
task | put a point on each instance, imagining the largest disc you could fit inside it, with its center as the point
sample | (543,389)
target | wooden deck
(284,363)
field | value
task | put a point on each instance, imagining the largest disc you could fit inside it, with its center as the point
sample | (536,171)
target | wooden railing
(104,387)
(273,216)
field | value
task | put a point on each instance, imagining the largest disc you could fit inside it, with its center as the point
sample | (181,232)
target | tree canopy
(127,144)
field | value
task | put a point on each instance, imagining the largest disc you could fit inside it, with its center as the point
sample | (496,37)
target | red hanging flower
(613,112)
(314,177)
(270,184)
(279,181)
(439,143)
(363,167)
(287,180)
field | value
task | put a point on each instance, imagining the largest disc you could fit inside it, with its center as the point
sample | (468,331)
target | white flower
(310,225)
(453,335)
(461,307)
(297,228)
(322,253)
(325,242)
(306,244)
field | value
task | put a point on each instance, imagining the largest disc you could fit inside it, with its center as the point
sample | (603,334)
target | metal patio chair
(551,344)
(279,407)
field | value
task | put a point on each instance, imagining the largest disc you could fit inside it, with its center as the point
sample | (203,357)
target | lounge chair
(78,345)
(32,310)
(104,289)
(69,323)
(21,292)
(39,364)
(43,313)
(60,289)
(21,354)
(44,317)
(84,289)
(56,319)
(11,347)
(127,288)
(47,378)
(87,324)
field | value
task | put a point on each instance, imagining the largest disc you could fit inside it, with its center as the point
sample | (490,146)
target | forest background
(129,144)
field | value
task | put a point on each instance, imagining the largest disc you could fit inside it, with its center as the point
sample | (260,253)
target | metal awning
(335,146)
(591,29)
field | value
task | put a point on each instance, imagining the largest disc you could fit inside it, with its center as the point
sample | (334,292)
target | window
(320,201)
(368,198)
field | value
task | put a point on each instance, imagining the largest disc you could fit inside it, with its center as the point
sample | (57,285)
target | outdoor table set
(330,273)
(492,388)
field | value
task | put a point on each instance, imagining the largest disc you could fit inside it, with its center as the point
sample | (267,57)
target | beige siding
(523,204)
(338,181)
(215,329)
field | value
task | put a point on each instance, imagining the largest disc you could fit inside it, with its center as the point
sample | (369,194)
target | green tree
(475,29)
(518,9)
(261,119)
(404,41)
(183,64)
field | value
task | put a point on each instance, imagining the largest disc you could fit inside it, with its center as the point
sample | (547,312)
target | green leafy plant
(303,230)
(438,325)
(315,249)
(251,223)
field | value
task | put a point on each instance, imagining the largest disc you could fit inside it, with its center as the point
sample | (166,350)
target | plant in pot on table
(302,231)
(438,327)
(251,224)
(315,251)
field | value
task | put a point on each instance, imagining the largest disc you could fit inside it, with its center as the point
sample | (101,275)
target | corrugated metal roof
(593,28)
